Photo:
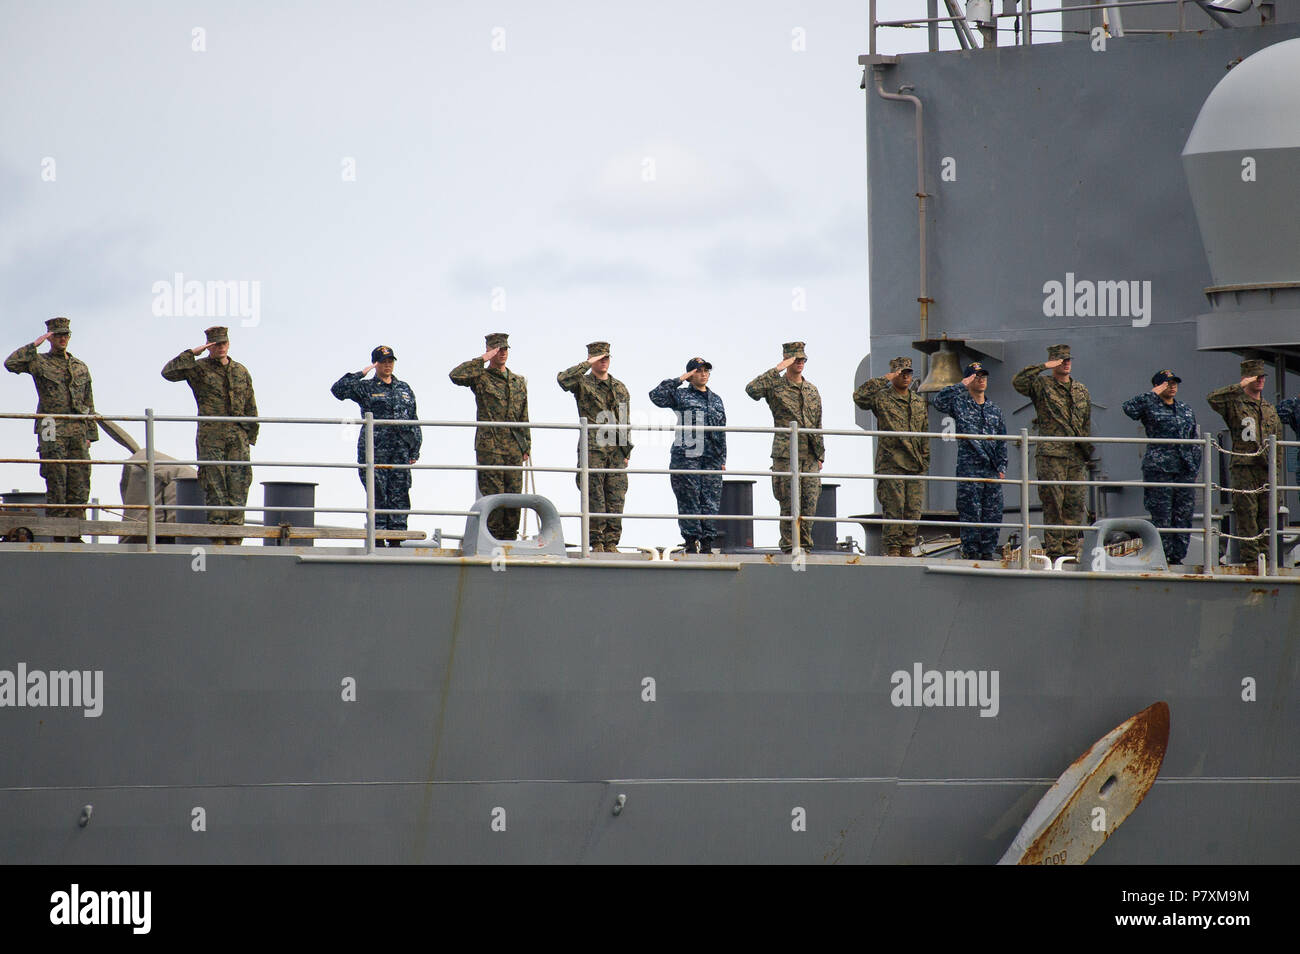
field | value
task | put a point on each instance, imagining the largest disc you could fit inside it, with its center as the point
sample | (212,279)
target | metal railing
(1023,20)
(1208,530)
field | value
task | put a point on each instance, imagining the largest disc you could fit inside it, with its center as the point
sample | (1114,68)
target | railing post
(369,430)
(584,486)
(1210,558)
(796,536)
(1029,22)
(1272,504)
(1024,498)
(871,37)
(151,515)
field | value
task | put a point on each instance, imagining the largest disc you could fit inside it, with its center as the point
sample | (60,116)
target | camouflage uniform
(1064,410)
(220,391)
(499,396)
(788,402)
(1248,473)
(394,401)
(1168,463)
(603,404)
(695,450)
(62,387)
(895,411)
(976,503)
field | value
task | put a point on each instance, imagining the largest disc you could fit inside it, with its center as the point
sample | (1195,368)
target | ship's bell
(945,369)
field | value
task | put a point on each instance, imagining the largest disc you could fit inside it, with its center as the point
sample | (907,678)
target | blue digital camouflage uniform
(393,445)
(695,450)
(1289,411)
(976,503)
(1168,463)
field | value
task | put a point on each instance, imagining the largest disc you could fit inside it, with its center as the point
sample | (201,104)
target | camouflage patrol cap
(382,353)
(793,349)
(900,364)
(1160,377)
(217,334)
(597,348)
(1058,352)
(498,339)
(1253,368)
(59,326)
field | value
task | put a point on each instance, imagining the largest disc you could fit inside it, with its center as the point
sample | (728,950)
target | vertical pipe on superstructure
(151,515)
(924,297)
(1024,498)
(931,28)
(369,429)
(871,41)
(1029,21)
(1209,545)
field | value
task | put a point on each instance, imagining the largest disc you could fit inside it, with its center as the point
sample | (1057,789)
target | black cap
(382,353)
(696,363)
(1160,377)
(975,368)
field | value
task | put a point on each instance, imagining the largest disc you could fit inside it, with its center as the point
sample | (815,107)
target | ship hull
(265,709)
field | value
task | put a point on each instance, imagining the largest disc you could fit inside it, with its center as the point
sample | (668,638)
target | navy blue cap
(696,363)
(975,368)
(382,353)
(1160,377)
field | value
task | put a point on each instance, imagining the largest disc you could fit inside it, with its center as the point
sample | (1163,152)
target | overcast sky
(672,177)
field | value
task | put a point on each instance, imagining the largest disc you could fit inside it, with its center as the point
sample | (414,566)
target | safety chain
(1232,536)
(1227,450)
(1236,490)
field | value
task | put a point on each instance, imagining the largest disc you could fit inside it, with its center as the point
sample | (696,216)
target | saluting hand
(201,348)
(43,338)
(683,377)
(367,369)
(785,364)
(1245,381)
(890,375)
(490,354)
(596,357)
(1160,389)
(1054,363)
(968,380)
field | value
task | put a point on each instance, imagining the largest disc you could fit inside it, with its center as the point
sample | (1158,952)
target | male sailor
(62,387)
(1163,415)
(1064,409)
(974,413)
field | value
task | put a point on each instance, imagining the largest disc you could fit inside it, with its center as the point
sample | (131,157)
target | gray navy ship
(497,716)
